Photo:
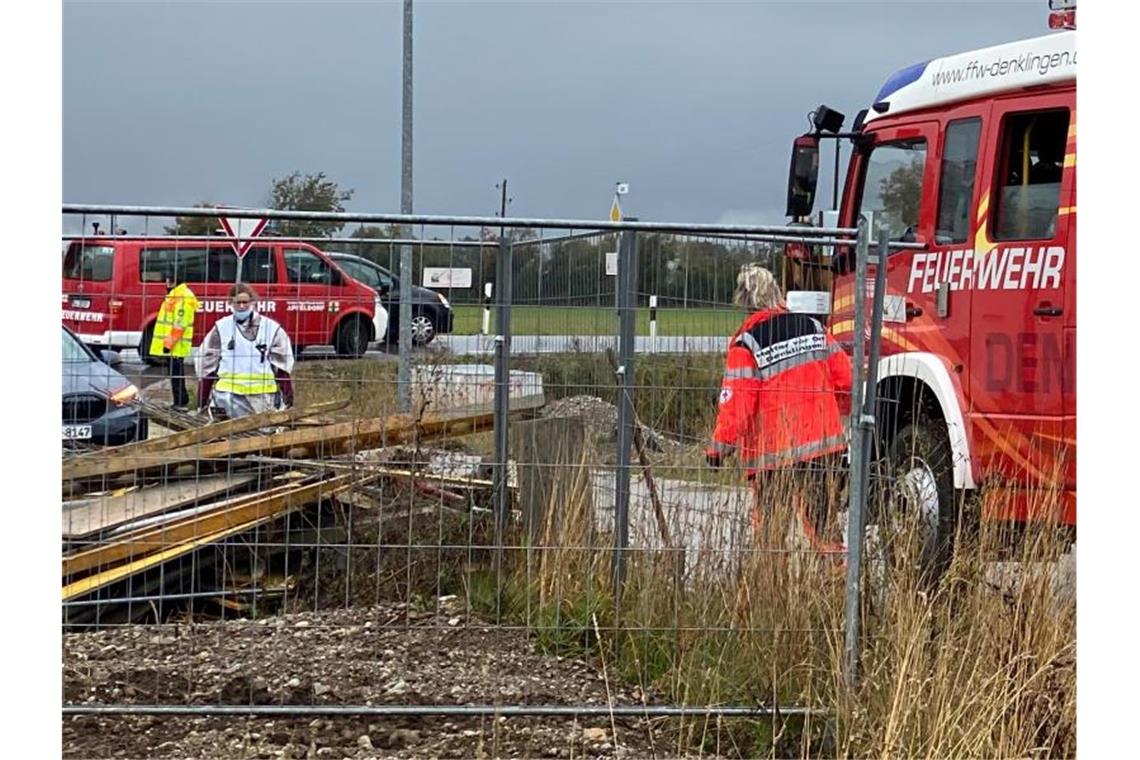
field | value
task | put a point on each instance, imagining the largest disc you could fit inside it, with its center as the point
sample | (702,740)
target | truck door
(937,286)
(1019,375)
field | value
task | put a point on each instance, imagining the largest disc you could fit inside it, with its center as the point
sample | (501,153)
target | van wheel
(352,338)
(911,519)
(144,348)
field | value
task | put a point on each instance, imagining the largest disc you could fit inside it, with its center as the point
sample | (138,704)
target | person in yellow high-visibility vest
(245,363)
(174,336)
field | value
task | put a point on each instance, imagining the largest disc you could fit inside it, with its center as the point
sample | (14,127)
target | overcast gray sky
(694,104)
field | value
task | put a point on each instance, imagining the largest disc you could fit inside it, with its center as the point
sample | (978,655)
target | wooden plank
(207,432)
(375,469)
(90,516)
(99,580)
(321,441)
(240,510)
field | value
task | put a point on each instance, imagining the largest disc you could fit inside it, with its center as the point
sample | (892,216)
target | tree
(309,192)
(194,225)
(901,192)
(381,253)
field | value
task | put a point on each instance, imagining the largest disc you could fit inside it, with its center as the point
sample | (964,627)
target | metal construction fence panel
(539,535)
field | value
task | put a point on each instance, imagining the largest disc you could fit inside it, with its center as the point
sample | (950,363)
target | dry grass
(369,385)
(968,667)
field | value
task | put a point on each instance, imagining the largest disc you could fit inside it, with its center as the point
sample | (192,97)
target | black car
(98,403)
(431,312)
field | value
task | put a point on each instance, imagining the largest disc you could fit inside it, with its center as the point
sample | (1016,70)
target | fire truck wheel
(352,338)
(915,514)
(144,348)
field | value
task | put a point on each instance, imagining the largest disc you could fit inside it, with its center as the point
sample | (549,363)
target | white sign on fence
(611,263)
(447,277)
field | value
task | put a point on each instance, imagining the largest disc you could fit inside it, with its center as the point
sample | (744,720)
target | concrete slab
(470,388)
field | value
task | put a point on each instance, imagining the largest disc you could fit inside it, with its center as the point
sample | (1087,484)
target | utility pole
(503,206)
(404,371)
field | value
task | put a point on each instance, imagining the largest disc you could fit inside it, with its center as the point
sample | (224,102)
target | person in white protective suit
(245,363)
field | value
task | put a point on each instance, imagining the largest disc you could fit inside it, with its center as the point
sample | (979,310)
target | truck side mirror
(802,175)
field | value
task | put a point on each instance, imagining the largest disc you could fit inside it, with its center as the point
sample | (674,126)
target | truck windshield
(892,187)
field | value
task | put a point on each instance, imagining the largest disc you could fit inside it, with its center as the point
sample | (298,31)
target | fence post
(502,393)
(653,323)
(486,308)
(855,531)
(627,322)
(870,395)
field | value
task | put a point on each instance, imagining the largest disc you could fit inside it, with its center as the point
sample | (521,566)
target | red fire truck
(970,158)
(113,287)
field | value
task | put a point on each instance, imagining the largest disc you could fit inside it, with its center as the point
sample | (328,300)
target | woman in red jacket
(785,393)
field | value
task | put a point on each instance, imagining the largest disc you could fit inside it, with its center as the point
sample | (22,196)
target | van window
(88,262)
(259,266)
(177,264)
(198,264)
(256,267)
(956,184)
(1029,175)
(892,187)
(303,266)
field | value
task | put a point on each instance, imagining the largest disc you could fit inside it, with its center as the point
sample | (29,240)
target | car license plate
(81,303)
(76,432)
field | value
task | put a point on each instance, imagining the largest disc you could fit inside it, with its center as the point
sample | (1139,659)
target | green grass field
(591,320)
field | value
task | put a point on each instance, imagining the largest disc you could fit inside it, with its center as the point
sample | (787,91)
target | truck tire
(918,491)
(352,337)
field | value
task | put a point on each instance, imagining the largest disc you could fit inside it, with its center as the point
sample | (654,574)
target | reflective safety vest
(174,327)
(786,387)
(245,367)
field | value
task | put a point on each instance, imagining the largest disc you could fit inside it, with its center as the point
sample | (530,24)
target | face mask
(241,317)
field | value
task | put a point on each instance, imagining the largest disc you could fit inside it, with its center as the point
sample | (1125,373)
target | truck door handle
(912,311)
(1047,310)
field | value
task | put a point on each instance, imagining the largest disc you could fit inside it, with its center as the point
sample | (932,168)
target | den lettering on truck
(987,186)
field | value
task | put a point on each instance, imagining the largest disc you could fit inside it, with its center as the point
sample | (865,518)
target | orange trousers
(813,488)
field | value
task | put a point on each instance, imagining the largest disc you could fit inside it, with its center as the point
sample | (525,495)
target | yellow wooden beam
(237,511)
(318,441)
(201,434)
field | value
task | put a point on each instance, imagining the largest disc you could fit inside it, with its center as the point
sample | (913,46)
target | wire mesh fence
(541,534)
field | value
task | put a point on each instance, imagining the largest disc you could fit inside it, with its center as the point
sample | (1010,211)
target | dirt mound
(601,421)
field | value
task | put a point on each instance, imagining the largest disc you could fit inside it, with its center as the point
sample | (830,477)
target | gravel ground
(379,655)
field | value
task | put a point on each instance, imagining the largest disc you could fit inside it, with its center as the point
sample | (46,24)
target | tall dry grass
(980,663)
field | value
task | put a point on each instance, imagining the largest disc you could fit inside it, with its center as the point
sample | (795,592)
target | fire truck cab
(970,158)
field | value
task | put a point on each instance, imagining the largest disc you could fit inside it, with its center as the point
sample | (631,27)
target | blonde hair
(757,289)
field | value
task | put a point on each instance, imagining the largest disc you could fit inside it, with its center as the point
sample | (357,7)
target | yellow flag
(615,211)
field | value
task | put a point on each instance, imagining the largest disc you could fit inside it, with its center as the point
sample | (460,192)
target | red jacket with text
(785,392)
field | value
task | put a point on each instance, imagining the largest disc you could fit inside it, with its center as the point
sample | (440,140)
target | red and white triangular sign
(239,228)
